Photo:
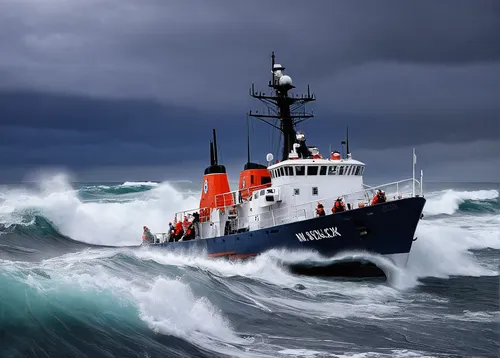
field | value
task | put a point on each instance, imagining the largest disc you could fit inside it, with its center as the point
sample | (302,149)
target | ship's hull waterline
(385,229)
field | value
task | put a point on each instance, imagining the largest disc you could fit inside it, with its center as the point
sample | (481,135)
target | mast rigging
(288,109)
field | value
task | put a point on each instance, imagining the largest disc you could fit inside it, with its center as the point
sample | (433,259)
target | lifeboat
(335,156)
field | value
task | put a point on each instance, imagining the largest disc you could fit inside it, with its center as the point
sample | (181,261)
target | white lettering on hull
(328,233)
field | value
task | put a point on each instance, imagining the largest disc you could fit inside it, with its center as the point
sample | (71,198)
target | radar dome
(269,157)
(285,80)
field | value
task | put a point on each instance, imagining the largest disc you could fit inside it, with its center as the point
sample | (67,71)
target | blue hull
(381,229)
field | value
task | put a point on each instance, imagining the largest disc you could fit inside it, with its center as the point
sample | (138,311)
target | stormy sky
(131,89)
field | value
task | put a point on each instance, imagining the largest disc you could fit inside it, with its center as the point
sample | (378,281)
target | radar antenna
(288,109)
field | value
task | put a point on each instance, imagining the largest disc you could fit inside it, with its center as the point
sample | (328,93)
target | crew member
(178,231)
(196,226)
(185,223)
(302,150)
(320,210)
(171,230)
(379,197)
(339,206)
(188,234)
(383,197)
(147,236)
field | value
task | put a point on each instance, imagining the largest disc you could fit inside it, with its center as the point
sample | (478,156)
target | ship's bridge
(308,179)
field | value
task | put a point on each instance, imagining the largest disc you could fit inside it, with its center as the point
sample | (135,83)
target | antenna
(215,150)
(347,141)
(272,69)
(287,108)
(248,140)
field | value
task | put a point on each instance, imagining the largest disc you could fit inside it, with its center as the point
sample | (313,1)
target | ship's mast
(288,109)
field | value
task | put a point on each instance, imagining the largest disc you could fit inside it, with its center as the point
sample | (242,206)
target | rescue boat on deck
(275,205)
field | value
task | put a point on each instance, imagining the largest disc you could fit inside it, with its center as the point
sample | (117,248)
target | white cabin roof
(320,161)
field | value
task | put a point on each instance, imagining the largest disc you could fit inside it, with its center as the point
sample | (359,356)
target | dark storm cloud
(138,82)
(182,50)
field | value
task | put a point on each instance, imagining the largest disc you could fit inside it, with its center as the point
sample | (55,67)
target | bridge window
(312,170)
(358,169)
(341,170)
(349,170)
(315,190)
(263,192)
(322,171)
(282,172)
(362,171)
(332,170)
(300,170)
(265,180)
(289,171)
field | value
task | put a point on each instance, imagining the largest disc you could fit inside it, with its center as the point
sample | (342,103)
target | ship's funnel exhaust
(215,188)
(212,161)
(216,158)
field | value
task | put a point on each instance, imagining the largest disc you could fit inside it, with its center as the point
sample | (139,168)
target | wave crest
(450,201)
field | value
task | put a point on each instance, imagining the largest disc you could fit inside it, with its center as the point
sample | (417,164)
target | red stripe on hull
(222,254)
(241,256)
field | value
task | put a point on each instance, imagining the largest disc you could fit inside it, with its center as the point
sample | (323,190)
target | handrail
(393,183)
(316,200)
(255,187)
(356,192)
(292,213)
(303,211)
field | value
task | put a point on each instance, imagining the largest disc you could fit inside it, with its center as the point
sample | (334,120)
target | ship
(276,205)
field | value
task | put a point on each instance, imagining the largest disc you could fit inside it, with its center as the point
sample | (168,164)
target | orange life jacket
(178,228)
(338,207)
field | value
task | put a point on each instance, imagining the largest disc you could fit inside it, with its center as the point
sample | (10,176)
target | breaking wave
(99,191)
(450,202)
(63,257)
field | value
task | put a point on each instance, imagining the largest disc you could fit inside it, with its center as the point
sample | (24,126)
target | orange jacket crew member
(178,230)
(320,210)
(185,223)
(379,197)
(338,207)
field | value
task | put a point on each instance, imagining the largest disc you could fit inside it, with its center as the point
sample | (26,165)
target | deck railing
(395,190)
(284,215)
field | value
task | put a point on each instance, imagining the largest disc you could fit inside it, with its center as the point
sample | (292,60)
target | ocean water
(74,284)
